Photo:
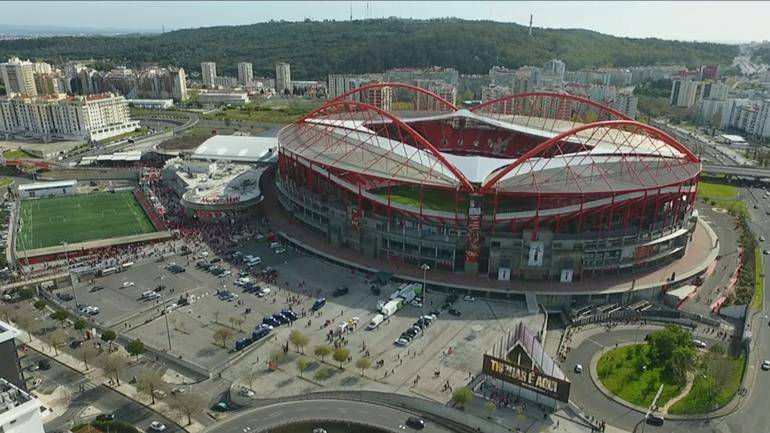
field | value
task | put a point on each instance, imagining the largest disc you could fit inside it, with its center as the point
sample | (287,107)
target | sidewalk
(97,376)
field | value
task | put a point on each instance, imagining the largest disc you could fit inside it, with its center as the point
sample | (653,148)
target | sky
(704,21)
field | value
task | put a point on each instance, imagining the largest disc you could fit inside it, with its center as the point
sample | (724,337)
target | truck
(407,292)
(391,307)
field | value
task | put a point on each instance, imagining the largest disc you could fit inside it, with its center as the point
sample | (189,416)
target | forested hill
(316,49)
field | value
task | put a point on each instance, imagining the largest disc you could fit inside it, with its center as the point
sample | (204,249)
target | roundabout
(592,396)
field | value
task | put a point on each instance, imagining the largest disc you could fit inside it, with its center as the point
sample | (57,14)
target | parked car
(44,364)
(127,284)
(766,365)
(340,291)
(469,298)
(105,417)
(318,304)
(157,426)
(455,312)
(66,297)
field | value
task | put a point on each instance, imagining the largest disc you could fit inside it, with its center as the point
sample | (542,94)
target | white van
(150,295)
(254,261)
(375,322)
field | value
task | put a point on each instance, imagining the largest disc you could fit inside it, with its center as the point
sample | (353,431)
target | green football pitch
(76,218)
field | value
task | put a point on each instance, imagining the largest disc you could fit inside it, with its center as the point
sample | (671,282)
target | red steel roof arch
(425,92)
(358,106)
(654,132)
(567,96)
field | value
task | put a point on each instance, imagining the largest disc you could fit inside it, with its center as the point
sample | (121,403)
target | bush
(115,427)
(323,374)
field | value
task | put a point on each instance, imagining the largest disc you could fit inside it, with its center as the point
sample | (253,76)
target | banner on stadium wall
(473,239)
(536,251)
(355,218)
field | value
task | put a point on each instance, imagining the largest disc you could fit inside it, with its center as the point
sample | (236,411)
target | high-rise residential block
(18,77)
(282,78)
(208,73)
(245,73)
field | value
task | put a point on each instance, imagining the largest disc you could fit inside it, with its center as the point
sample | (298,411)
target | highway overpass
(737,170)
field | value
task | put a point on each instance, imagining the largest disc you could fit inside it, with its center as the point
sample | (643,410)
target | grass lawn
(5,181)
(717,191)
(723,196)
(80,218)
(17,154)
(263,113)
(696,401)
(433,199)
(759,281)
(620,370)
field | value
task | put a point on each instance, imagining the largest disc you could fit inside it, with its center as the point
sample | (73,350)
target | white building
(555,66)
(683,93)
(489,93)
(18,77)
(339,84)
(626,103)
(222,98)
(226,82)
(245,73)
(282,78)
(47,189)
(90,117)
(152,104)
(714,90)
(19,411)
(208,73)
(731,111)
(710,112)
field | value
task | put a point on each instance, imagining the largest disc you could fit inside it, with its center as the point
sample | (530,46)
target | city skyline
(658,19)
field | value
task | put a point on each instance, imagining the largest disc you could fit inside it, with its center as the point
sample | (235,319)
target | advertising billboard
(498,368)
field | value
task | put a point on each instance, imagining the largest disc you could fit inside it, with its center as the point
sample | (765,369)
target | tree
(299,340)
(187,405)
(301,365)
(80,325)
(363,364)
(109,336)
(672,349)
(87,351)
(149,381)
(60,316)
(27,323)
(341,355)
(135,348)
(114,365)
(216,316)
(249,376)
(237,321)
(277,355)
(462,396)
(39,305)
(223,335)
(322,351)
(323,373)
(58,338)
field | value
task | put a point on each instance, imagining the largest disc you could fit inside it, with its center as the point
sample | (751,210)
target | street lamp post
(67,260)
(425,268)
(165,315)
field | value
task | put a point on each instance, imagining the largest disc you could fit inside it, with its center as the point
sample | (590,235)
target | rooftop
(238,148)
(12,397)
(46,185)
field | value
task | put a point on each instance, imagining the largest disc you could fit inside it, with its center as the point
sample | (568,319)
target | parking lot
(448,350)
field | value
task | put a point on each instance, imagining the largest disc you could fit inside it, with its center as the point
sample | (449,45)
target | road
(753,416)
(343,410)
(102,398)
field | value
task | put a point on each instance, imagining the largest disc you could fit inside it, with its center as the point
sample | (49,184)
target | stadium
(535,186)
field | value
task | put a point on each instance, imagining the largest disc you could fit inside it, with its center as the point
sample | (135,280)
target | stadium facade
(534,186)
